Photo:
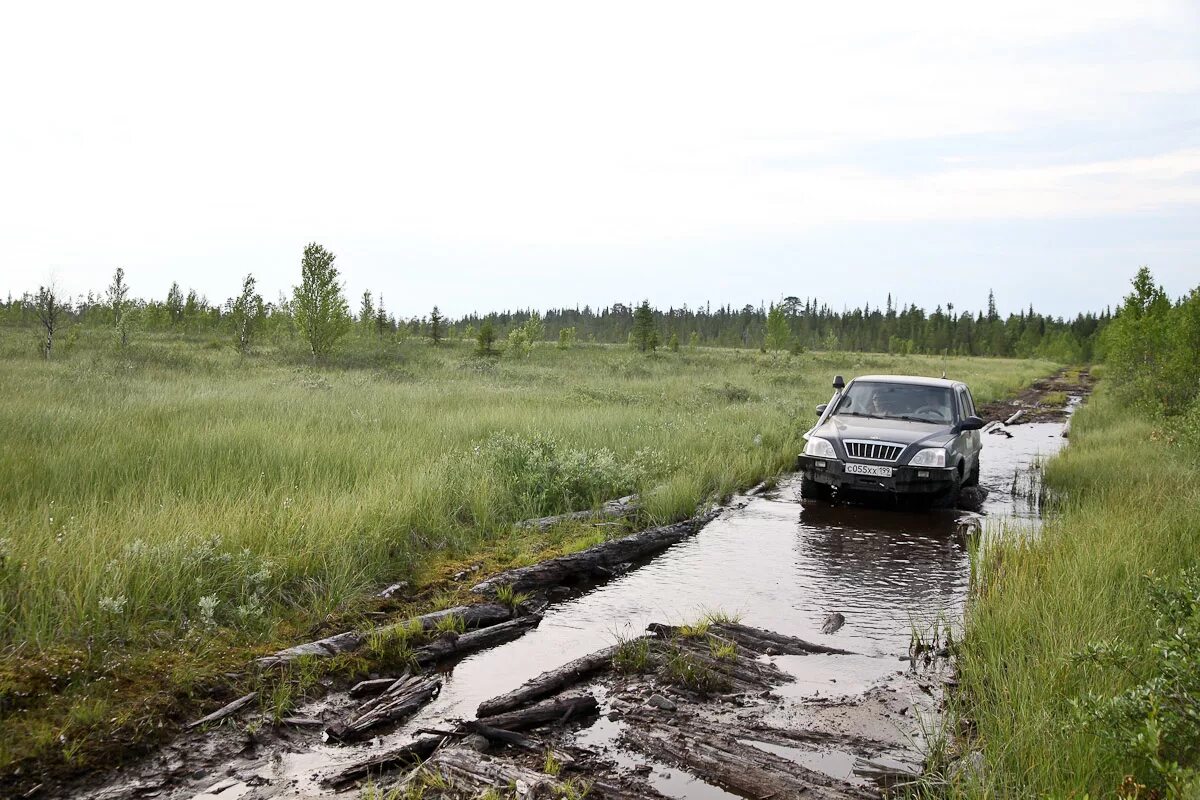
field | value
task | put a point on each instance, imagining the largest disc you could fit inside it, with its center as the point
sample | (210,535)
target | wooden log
(476,773)
(373,686)
(761,640)
(451,645)
(833,622)
(550,682)
(403,700)
(557,709)
(302,722)
(1012,420)
(467,769)
(715,754)
(480,615)
(594,562)
(756,640)
(620,507)
(514,739)
(741,674)
(408,755)
(225,710)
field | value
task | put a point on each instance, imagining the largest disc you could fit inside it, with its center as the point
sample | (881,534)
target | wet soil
(1045,400)
(852,722)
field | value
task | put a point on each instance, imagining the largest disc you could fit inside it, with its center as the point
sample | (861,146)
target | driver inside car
(878,406)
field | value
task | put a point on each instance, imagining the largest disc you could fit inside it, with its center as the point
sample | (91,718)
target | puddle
(781,565)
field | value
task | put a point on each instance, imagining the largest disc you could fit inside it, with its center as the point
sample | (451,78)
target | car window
(908,401)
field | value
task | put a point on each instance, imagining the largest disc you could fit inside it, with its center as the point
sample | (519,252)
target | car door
(969,440)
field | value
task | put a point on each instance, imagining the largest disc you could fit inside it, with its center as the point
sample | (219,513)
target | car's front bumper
(903,480)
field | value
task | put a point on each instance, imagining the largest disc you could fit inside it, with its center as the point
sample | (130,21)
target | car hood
(928,434)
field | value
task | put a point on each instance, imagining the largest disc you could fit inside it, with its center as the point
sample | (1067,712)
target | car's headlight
(821,448)
(929,457)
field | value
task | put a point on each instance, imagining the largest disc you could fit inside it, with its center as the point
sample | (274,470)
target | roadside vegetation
(1079,664)
(172,508)
(190,485)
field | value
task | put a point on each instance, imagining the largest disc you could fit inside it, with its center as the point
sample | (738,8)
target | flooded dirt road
(773,562)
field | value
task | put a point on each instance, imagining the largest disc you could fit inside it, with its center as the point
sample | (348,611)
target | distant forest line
(793,323)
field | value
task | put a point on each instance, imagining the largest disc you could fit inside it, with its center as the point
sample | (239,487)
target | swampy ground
(173,510)
(892,582)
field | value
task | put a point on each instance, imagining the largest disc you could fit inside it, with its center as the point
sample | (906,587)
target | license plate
(869,469)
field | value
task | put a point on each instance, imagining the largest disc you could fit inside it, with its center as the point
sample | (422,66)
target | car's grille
(873,451)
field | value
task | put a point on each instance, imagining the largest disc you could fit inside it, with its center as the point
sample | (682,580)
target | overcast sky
(493,155)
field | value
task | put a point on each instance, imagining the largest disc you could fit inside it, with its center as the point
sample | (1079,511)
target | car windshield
(907,401)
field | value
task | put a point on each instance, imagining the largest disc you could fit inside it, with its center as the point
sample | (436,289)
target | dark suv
(895,435)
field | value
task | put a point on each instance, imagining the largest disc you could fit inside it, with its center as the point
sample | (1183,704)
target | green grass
(174,508)
(1128,507)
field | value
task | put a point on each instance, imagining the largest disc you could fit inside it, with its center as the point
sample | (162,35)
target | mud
(856,722)
(1045,400)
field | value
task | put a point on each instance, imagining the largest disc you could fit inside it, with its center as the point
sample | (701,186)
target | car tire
(812,490)
(948,497)
(973,478)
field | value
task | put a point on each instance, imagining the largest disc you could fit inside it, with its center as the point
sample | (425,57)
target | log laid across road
(595,562)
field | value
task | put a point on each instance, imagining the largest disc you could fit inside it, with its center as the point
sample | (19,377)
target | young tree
(247,314)
(319,305)
(436,331)
(673,344)
(485,343)
(779,333)
(381,319)
(566,338)
(534,328)
(50,312)
(175,304)
(118,292)
(366,312)
(643,336)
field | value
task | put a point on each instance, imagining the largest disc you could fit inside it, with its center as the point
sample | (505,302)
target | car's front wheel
(973,478)
(948,497)
(813,490)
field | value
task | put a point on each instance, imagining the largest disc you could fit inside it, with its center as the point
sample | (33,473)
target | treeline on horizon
(793,324)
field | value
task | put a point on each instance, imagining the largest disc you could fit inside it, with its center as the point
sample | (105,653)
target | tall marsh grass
(1127,518)
(179,488)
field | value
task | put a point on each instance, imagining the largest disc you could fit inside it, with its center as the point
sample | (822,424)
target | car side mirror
(821,408)
(971,423)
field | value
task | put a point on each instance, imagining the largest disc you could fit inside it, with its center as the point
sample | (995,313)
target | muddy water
(778,563)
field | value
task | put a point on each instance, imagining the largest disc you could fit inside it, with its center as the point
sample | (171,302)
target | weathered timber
(468,769)
(514,739)
(369,687)
(477,616)
(595,562)
(756,640)
(550,682)
(621,507)
(451,645)
(401,701)
(557,709)
(225,710)
(716,755)
(741,673)
(1013,419)
(301,722)
(410,754)
(753,639)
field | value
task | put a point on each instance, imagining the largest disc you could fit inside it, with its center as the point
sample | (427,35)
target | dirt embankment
(1045,400)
